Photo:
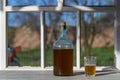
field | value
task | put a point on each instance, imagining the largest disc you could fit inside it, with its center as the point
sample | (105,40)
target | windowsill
(28,68)
(101,74)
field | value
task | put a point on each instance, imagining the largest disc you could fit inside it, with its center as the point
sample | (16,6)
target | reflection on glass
(89,2)
(97,37)
(23,36)
(32,2)
(52,28)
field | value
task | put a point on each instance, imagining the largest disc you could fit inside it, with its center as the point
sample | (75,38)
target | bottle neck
(63,34)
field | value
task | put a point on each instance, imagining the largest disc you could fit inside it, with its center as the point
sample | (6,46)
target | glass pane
(89,2)
(52,31)
(32,2)
(97,37)
(23,38)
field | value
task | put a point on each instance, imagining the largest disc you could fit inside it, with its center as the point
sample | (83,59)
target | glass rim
(90,57)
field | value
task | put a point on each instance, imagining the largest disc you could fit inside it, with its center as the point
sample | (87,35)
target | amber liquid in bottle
(63,54)
(63,62)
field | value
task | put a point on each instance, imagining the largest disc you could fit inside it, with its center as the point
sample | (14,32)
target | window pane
(23,38)
(97,32)
(89,2)
(32,2)
(52,30)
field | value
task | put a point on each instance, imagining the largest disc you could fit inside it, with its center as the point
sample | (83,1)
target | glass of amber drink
(90,66)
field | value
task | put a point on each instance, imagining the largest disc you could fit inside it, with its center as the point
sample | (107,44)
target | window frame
(58,8)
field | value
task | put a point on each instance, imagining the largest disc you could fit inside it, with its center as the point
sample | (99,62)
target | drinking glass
(90,66)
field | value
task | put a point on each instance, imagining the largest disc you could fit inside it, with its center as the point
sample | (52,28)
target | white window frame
(59,7)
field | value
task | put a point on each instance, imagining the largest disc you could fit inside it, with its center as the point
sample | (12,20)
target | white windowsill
(28,68)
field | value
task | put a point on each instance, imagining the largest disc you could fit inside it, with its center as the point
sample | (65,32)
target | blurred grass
(105,57)
(30,57)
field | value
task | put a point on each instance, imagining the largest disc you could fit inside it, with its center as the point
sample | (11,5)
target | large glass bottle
(63,54)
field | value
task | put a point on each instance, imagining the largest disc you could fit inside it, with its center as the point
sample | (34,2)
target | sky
(14,20)
(54,2)
(32,2)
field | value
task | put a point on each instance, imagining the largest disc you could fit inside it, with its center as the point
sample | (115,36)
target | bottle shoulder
(63,44)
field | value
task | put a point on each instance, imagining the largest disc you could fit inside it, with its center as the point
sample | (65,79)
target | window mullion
(117,36)
(78,41)
(3,36)
(59,6)
(1,14)
(62,8)
(60,3)
(42,39)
